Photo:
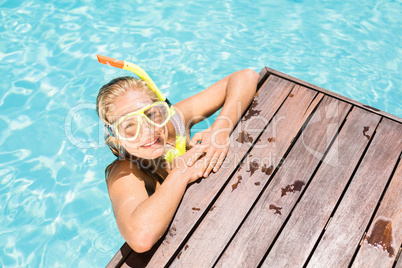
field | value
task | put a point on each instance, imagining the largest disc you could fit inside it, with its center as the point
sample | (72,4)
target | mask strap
(108,130)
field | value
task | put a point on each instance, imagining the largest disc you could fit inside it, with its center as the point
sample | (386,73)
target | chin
(156,153)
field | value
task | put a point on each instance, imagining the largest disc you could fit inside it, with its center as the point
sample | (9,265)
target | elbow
(141,243)
(251,74)
(140,248)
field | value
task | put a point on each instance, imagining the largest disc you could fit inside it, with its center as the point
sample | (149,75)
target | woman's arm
(142,220)
(234,92)
(240,90)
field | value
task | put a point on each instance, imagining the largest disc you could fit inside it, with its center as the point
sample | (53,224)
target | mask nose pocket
(147,127)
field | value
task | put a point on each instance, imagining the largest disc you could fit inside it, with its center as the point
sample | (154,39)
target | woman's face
(131,102)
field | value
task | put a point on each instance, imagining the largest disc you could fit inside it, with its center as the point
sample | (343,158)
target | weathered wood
(347,226)
(310,215)
(260,228)
(225,209)
(399,260)
(198,197)
(120,256)
(333,94)
(263,75)
(237,198)
(382,253)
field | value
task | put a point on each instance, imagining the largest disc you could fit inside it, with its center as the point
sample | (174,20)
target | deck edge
(333,94)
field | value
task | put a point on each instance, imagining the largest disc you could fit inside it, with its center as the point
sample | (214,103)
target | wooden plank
(120,256)
(382,253)
(260,228)
(198,196)
(216,229)
(311,214)
(399,260)
(263,77)
(349,222)
(333,94)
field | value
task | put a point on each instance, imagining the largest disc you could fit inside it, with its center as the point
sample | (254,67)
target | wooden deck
(312,179)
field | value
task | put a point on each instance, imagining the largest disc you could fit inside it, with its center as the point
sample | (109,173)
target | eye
(152,114)
(130,125)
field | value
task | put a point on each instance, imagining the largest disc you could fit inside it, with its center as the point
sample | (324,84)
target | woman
(144,189)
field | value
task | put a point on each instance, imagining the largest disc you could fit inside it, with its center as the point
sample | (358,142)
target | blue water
(54,206)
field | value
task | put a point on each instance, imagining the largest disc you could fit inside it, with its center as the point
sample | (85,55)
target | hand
(215,144)
(180,167)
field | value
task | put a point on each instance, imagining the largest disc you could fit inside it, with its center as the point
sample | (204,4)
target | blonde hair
(105,104)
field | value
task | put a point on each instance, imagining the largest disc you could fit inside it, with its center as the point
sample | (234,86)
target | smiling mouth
(156,141)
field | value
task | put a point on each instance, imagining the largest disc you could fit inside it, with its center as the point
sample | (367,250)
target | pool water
(54,206)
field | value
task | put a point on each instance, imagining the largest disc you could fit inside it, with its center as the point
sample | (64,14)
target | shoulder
(120,168)
(126,185)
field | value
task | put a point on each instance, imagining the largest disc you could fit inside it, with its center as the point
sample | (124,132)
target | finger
(212,163)
(198,152)
(197,137)
(220,161)
(203,167)
(207,160)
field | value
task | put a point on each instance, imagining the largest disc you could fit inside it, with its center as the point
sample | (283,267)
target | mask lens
(157,114)
(128,128)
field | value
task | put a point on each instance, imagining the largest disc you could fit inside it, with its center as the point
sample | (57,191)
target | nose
(147,128)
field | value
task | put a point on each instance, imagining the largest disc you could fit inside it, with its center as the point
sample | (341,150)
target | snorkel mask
(173,115)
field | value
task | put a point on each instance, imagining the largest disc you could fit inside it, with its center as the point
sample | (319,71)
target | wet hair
(104,107)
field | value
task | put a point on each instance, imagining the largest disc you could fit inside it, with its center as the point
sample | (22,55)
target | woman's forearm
(151,218)
(240,91)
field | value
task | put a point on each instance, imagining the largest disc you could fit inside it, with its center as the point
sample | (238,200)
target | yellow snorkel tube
(176,120)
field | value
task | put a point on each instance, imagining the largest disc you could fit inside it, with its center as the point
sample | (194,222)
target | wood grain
(263,75)
(120,256)
(235,201)
(261,226)
(399,261)
(347,226)
(199,195)
(389,210)
(230,219)
(311,214)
